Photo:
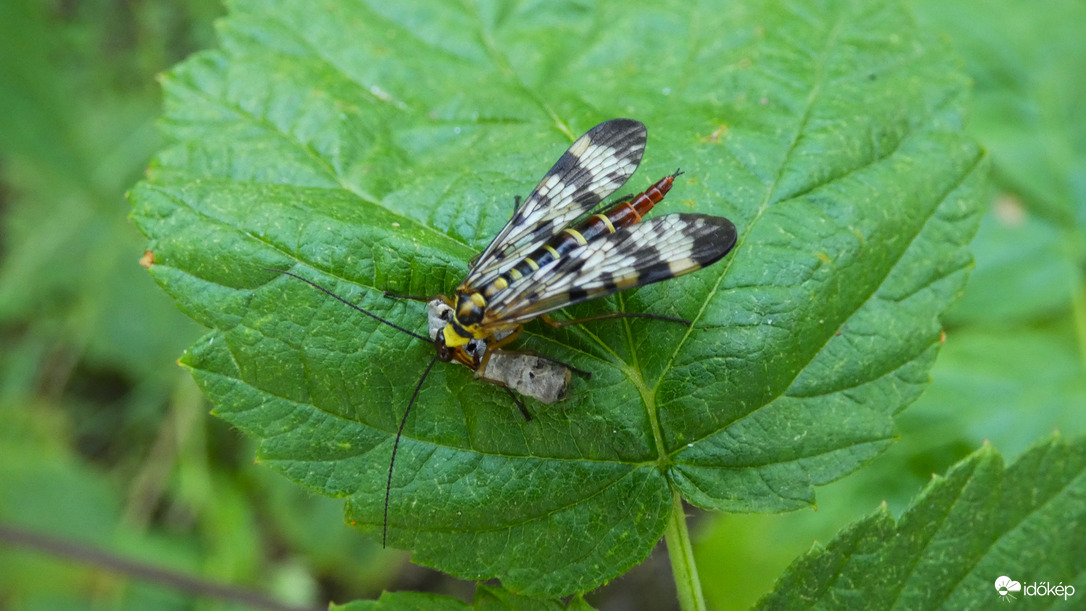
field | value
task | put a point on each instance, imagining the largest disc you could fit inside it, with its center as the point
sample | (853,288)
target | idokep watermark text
(1007,588)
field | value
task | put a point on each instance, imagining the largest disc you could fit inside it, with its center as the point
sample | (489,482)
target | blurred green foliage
(104,441)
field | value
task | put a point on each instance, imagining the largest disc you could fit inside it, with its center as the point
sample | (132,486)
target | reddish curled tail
(632,210)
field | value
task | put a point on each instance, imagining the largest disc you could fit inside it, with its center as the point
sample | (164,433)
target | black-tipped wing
(597,164)
(651,251)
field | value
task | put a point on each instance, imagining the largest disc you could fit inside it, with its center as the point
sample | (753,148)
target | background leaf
(369,149)
(964,531)
(1022,320)
(394,601)
(487,598)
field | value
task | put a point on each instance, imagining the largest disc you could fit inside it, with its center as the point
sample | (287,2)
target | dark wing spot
(716,238)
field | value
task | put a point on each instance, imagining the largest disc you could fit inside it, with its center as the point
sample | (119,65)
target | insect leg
(520,404)
(505,340)
(491,347)
(576,321)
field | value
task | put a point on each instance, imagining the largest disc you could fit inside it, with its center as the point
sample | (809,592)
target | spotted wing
(650,251)
(597,164)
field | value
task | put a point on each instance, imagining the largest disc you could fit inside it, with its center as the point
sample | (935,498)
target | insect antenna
(396,445)
(337,297)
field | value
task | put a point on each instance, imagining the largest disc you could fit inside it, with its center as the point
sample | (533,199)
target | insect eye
(444,353)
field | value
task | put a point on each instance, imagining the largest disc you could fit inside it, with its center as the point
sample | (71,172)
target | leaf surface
(374,147)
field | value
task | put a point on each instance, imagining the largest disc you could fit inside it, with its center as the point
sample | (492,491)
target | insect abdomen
(630,211)
(625,213)
(622,214)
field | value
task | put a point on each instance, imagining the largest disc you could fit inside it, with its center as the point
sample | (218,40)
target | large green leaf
(374,147)
(979,523)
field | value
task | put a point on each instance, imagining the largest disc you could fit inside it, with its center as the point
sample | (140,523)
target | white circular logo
(1005,585)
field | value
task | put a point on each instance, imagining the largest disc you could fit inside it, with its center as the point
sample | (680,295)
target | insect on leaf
(368,151)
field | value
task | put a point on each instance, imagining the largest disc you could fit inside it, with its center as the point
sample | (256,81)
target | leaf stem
(681,553)
(1078,313)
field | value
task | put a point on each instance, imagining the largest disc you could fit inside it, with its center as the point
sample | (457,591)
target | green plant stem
(1078,310)
(682,558)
